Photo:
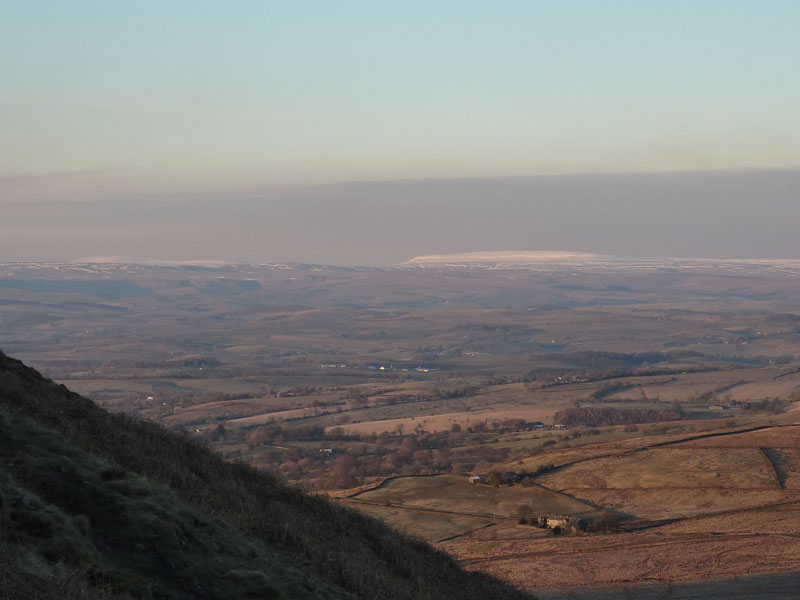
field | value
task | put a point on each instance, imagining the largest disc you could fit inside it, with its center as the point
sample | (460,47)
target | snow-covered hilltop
(552,260)
(506,257)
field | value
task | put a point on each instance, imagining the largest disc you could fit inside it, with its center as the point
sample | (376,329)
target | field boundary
(463,533)
(494,516)
(772,467)
(373,485)
(632,526)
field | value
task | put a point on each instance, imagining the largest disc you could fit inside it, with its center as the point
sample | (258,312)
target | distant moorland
(654,400)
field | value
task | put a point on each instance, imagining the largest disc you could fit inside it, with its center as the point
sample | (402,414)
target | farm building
(477,479)
(563,522)
(551,521)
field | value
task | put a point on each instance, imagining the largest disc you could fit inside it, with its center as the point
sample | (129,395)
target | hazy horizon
(712,214)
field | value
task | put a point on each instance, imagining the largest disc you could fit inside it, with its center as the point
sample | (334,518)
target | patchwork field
(336,377)
(709,509)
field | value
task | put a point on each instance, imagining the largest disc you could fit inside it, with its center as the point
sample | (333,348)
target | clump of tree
(527,478)
(597,416)
(498,478)
(606,360)
(606,522)
(270,434)
(773,405)
(458,392)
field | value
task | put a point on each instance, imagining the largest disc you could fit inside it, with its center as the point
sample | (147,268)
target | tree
(219,433)
(342,471)
(607,521)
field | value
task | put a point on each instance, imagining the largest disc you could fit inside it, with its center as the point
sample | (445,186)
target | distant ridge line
(511,258)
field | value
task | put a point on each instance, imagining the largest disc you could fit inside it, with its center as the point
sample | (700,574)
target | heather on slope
(103,505)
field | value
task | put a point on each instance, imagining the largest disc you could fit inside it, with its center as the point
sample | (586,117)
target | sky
(160,113)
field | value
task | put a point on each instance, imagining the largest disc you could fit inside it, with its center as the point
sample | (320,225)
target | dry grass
(658,503)
(594,562)
(431,527)
(787,465)
(778,437)
(444,421)
(781,519)
(672,467)
(456,494)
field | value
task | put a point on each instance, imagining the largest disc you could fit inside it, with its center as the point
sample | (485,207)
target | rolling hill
(102,505)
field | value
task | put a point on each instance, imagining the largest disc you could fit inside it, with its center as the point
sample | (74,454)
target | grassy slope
(99,505)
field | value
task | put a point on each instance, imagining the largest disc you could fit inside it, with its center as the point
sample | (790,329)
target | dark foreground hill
(101,505)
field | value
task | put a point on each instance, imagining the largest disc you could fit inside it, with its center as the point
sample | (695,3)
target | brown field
(456,494)
(592,562)
(562,457)
(765,389)
(660,503)
(779,519)
(444,421)
(432,527)
(672,467)
(738,384)
(777,437)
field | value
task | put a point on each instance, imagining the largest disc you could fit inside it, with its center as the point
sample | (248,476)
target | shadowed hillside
(101,505)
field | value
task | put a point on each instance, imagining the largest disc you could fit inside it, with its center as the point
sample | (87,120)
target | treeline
(353,461)
(773,405)
(611,360)
(593,416)
(276,434)
(560,376)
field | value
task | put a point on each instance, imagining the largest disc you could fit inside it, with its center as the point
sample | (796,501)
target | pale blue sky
(203,95)
(196,129)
